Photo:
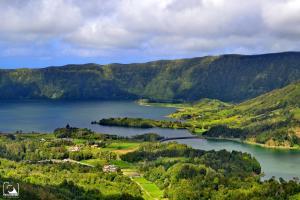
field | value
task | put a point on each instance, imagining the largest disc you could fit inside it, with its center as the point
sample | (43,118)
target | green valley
(252,99)
(76,163)
(150,100)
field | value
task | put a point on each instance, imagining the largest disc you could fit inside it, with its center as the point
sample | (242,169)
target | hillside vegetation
(227,78)
(272,119)
(186,173)
(47,168)
(140,123)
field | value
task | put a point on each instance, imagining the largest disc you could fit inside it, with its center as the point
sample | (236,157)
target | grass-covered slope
(272,119)
(227,78)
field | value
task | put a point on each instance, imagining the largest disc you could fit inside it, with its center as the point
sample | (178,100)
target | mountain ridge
(153,61)
(225,77)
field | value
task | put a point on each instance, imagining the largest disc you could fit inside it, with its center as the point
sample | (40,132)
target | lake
(45,116)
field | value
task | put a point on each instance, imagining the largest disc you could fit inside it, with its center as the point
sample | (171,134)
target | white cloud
(283,18)
(101,34)
(33,19)
(154,27)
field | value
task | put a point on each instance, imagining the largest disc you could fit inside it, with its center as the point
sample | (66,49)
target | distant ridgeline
(226,77)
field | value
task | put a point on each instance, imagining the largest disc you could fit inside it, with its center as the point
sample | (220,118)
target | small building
(95,146)
(74,149)
(110,168)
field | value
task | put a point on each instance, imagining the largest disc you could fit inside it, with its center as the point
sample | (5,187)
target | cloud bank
(134,30)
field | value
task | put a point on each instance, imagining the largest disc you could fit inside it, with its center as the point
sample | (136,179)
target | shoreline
(271,147)
(178,106)
(251,143)
(167,105)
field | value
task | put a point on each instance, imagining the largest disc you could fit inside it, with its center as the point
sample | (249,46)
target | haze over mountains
(226,77)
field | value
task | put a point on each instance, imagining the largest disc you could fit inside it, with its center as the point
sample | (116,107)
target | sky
(39,33)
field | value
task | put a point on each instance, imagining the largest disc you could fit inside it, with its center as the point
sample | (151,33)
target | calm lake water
(45,116)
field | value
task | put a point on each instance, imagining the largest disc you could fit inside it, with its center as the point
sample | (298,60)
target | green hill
(272,119)
(226,77)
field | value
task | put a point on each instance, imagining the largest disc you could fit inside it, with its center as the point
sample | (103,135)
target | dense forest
(226,77)
(140,123)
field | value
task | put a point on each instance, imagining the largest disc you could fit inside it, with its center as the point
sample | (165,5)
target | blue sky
(39,33)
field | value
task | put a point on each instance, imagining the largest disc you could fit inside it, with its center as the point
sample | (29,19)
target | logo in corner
(10,189)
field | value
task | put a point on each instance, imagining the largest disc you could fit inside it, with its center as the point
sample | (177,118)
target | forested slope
(226,77)
(272,118)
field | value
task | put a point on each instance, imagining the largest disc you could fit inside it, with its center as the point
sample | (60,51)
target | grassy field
(94,162)
(150,190)
(122,145)
(295,197)
(122,164)
(119,148)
